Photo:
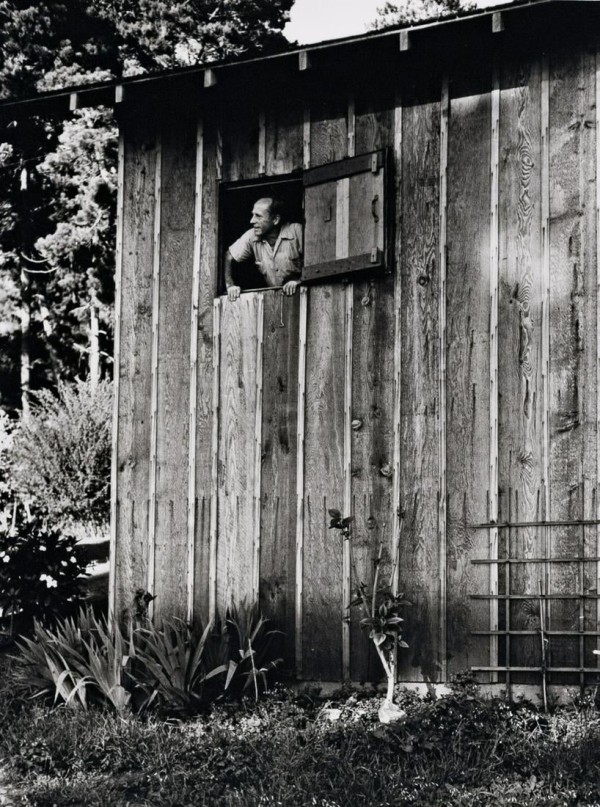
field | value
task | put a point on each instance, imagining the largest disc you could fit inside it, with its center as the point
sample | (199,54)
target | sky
(316,20)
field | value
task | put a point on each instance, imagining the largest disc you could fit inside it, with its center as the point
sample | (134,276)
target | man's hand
(289,288)
(233,292)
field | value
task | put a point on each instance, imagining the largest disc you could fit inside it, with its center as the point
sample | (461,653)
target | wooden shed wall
(469,372)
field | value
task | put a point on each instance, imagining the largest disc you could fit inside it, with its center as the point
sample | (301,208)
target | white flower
(63,563)
(6,559)
(50,581)
(42,548)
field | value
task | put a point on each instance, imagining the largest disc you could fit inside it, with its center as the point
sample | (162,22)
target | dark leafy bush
(40,573)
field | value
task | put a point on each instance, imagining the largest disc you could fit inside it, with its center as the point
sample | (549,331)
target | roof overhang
(427,45)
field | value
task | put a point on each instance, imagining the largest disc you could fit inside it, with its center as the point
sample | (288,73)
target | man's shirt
(278,263)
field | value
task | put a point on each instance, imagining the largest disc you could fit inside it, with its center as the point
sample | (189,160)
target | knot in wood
(423,280)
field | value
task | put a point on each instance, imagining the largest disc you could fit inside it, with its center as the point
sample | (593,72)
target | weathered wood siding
(457,391)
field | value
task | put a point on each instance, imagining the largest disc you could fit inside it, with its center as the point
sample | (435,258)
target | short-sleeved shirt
(278,263)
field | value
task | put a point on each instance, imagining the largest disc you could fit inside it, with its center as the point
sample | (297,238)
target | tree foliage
(58,188)
(411,11)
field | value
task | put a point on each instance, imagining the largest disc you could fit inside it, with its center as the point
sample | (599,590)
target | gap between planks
(259,302)
(214,480)
(299,600)
(442,504)
(342,251)
(493,357)
(112,588)
(193,398)
(597,514)
(397,431)
(154,392)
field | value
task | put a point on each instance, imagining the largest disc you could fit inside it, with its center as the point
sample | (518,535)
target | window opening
(237,202)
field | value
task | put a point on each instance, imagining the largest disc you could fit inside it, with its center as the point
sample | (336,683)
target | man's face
(262,221)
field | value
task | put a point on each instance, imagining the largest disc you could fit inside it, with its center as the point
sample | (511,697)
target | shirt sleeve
(241,250)
(298,237)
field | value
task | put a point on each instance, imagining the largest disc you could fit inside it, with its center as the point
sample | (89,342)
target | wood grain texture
(372,414)
(418,571)
(284,138)
(278,484)
(323,608)
(193,374)
(204,387)
(372,450)
(175,295)
(152,500)
(114,494)
(240,135)
(328,131)
(572,315)
(300,445)
(135,363)
(374,126)
(236,468)
(520,434)
(468,397)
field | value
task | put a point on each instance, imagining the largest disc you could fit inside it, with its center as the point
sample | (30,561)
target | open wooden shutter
(344,206)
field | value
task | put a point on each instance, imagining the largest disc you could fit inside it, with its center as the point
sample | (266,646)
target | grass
(458,750)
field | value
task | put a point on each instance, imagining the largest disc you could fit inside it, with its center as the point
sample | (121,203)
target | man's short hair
(276,206)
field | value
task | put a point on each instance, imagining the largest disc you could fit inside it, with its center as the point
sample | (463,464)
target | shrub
(60,455)
(172,667)
(40,573)
(75,658)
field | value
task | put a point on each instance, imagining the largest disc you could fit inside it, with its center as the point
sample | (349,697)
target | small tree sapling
(381,608)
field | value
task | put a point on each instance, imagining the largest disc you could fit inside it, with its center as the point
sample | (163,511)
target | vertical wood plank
(175,294)
(300,512)
(442,492)
(154,393)
(240,137)
(214,481)
(596,548)
(397,425)
(328,131)
(347,462)
(279,462)
(323,484)
(419,573)
(372,434)
(375,122)
(372,451)
(306,137)
(468,369)
(520,337)
(258,416)
(114,494)
(193,393)
(206,423)
(236,467)
(493,362)
(284,140)
(572,327)
(342,249)
(262,142)
(135,362)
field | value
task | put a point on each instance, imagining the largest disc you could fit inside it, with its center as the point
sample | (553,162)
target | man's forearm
(228,273)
